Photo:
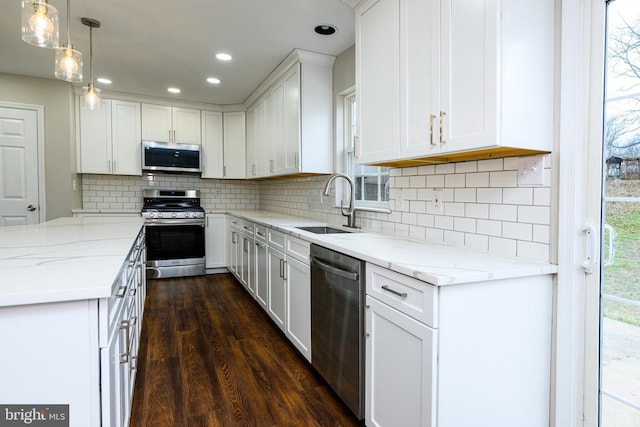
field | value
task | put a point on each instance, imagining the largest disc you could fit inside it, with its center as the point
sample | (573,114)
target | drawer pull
(393,291)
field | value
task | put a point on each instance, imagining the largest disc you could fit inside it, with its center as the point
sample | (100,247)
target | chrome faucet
(350,213)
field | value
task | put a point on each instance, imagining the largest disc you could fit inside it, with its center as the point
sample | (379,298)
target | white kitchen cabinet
(215,240)
(234,137)
(234,246)
(277,303)
(467,354)
(109,141)
(170,124)
(294,112)
(212,145)
(453,80)
(400,368)
(298,320)
(261,274)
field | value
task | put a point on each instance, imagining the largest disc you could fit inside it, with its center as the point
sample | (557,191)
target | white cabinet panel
(277,287)
(125,135)
(401,369)
(298,329)
(212,145)
(170,124)
(261,274)
(215,240)
(186,125)
(234,145)
(95,139)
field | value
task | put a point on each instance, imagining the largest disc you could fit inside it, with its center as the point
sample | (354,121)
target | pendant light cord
(69,23)
(91,54)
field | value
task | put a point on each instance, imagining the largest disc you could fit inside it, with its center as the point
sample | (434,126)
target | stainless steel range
(174,222)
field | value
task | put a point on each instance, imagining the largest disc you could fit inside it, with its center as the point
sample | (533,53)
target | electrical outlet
(531,170)
(437,204)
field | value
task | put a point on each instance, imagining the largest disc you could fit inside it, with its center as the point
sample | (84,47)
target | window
(371,182)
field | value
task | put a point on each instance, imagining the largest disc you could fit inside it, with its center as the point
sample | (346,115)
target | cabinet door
(252,144)
(261,276)
(277,288)
(263,157)
(234,145)
(111,381)
(469,74)
(125,138)
(156,123)
(246,258)
(298,330)
(377,79)
(419,76)
(95,139)
(400,369)
(291,121)
(233,251)
(215,241)
(275,128)
(212,145)
(186,126)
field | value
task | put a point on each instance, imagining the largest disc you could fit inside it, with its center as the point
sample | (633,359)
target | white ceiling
(145,46)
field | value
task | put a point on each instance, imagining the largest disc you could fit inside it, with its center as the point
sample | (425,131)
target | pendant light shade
(40,23)
(91,98)
(68,65)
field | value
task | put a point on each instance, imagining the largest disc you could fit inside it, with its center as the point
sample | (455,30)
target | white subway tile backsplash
(503,179)
(484,208)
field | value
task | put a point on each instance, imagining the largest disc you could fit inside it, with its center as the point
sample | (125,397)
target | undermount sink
(324,230)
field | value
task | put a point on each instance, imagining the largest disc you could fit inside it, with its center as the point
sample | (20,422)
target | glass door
(620,272)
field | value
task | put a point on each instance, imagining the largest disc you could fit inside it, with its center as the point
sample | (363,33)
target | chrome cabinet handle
(442,114)
(124,357)
(284,269)
(431,117)
(393,291)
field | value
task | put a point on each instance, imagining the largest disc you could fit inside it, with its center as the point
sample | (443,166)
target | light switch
(531,170)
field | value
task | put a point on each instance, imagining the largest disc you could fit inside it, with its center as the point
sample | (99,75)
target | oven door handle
(170,222)
(350,275)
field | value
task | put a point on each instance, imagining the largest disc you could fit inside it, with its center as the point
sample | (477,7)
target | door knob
(31,208)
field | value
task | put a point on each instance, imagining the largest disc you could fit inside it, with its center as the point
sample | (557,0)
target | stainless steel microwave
(170,157)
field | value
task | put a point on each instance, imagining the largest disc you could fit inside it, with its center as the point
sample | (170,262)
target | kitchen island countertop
(437,264)
(64,259)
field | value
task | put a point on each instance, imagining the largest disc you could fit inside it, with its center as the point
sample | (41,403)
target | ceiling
(146,46)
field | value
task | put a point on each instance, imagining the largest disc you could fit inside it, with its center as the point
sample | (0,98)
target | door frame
(39,110)
(579,193)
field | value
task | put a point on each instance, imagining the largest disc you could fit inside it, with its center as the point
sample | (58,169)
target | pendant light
(91,93)
(68,60)
(39,23)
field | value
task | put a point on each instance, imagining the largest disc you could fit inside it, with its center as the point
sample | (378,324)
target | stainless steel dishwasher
(337,322)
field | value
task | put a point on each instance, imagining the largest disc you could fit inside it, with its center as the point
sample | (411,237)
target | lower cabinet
(400,368)
(274,268)
(276,306)
(298,305)
(215,240)
(457,355)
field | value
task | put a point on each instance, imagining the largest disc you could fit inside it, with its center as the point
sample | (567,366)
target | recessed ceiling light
(173,90)
(325,29)
(103,80)
(213,80)
(223,56)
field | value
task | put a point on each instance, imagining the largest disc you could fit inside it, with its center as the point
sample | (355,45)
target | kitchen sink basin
(323,230)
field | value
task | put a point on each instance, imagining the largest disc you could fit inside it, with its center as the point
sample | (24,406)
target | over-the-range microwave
(170,157)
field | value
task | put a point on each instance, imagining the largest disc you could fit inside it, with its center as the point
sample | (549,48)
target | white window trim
(342,136)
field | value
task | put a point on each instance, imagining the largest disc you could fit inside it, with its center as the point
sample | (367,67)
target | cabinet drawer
(235,223)
(247,228)
(298,249)
(412,297)
(261,233)
(276,239)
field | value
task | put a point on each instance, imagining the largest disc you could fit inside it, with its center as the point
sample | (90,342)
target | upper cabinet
(170,124)
(109,139)
(290,119)
(442,81)
(212,148)
(234,141)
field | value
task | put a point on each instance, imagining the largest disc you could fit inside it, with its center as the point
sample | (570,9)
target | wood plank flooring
(210,356)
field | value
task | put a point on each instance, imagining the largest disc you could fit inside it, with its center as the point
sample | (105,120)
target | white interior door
(19,180)
(619,354)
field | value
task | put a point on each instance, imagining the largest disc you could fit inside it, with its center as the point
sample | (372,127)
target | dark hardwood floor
(210,356)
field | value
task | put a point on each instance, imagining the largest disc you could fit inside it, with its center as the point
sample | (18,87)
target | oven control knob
(160,214)
(186,215)
(173,215)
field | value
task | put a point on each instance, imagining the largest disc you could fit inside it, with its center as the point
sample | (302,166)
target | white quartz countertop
(437,264)
(64,259)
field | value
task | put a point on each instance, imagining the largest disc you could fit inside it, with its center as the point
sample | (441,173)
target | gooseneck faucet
(350,213)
